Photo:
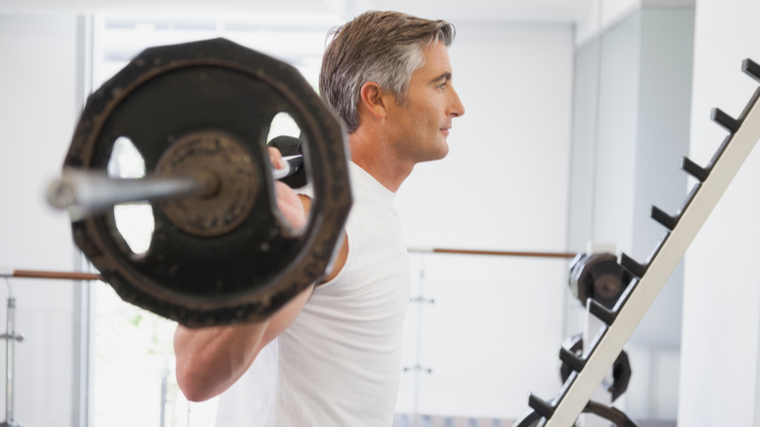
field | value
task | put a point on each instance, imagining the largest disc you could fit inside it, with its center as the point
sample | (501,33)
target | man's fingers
(290,205)
(276,158)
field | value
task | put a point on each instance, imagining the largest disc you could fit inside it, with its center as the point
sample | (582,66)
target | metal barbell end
(727,122)
(694,169)
(751,68)
(88,193)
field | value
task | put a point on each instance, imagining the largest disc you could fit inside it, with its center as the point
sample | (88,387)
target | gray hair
(381,47)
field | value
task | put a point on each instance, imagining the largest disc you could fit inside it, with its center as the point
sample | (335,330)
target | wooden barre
(494,253)
(67,275)
(38,274)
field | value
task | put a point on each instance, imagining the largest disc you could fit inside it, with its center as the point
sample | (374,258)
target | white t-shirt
(339,363)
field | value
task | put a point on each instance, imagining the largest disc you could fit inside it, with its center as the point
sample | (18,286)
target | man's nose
(456,108)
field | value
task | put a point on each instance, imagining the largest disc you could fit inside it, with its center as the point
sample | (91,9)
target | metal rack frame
(682,227)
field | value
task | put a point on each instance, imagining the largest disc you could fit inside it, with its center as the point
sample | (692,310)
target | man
(331,357)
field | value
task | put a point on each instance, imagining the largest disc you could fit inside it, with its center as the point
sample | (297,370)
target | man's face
(422,124)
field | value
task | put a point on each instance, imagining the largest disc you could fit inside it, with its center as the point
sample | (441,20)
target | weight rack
(620,322)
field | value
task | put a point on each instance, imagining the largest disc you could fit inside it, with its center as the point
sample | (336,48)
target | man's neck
(374,155)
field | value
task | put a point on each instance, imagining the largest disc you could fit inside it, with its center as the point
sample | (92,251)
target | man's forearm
(210,360)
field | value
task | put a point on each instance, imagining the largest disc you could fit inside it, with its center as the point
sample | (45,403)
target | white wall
(496,325)
(719,375)
(615,11)
(38,108)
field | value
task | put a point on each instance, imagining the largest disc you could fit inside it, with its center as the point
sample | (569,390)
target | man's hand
(287,201)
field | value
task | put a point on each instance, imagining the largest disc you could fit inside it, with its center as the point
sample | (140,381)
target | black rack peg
(542,407)
(751,68)
(574,362)
(723,119)
(634,267)
(694,169)
(666,220)
(601,312)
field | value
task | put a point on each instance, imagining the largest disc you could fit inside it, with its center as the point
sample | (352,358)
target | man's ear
(373,99)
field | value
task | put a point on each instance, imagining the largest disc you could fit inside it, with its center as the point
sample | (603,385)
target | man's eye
(442,85)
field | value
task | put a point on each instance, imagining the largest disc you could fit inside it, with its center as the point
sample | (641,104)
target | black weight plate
(248,272)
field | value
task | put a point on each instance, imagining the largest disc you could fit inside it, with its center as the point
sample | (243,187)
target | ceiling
(454,10)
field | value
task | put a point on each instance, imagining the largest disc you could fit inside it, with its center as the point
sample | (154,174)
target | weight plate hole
(283,124)
(134,221)
(126,161)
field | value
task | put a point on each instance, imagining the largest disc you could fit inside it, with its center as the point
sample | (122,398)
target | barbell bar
(86,193)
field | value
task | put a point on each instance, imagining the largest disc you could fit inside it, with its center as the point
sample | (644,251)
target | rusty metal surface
(167,94)
(235,184)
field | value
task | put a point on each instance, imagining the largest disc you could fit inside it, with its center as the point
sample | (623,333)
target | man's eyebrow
(445,76)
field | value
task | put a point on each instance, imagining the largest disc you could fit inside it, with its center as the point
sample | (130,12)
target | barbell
(199,115)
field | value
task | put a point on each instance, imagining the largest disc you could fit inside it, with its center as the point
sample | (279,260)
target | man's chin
(444,150)
(440,153)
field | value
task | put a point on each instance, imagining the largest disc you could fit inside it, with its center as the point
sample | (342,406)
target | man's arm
(210,360)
